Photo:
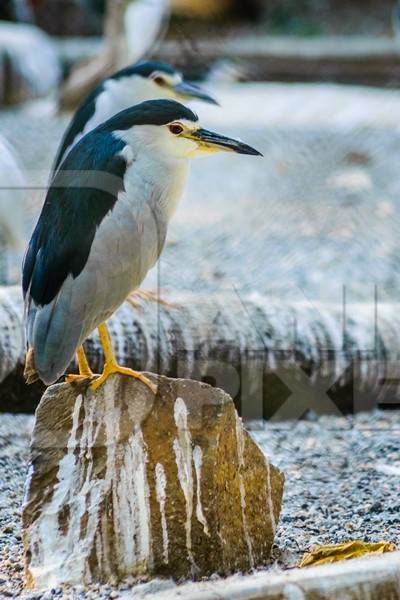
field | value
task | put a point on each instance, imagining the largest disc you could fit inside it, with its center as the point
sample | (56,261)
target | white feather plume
(145,24)
(12,194)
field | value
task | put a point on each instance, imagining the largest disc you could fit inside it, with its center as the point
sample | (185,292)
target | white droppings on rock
(240,451)
(28,481)
(131,505)
(270,503)
(183,456)
(198,461)
(81,495)
(49,550)
(161,492)
(111,420)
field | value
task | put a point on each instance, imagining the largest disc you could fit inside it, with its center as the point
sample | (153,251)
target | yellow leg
(84,368)
(85,372)
(111,366)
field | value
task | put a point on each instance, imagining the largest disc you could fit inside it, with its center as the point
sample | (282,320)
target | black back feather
(84,113)
(83,191)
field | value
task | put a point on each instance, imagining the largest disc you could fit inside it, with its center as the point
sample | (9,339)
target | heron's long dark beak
(186,89)
(213,142)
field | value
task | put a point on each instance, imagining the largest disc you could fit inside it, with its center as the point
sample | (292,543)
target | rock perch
(122,482)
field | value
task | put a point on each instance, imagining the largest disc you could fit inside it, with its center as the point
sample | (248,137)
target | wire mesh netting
(320,210)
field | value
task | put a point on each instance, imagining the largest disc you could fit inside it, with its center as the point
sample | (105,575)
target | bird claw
(111,369)
(77,378)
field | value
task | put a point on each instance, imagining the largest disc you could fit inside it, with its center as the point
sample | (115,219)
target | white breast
(130,238)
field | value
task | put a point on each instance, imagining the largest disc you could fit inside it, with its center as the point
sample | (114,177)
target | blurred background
(282,273)
(313,84)
(318,213)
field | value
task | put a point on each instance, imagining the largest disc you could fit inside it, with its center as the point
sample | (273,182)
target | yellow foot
(74,378)
(109,369)
(85,372)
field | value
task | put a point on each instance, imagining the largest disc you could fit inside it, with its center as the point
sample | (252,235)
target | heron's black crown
(144,69)
(151,112)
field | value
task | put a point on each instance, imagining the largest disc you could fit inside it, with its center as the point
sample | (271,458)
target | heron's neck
(163,173)
(123,93)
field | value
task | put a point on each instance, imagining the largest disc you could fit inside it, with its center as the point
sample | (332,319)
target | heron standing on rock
(102,227)
(129,86)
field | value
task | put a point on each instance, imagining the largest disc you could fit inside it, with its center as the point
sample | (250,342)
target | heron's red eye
(159,80)
(175,128)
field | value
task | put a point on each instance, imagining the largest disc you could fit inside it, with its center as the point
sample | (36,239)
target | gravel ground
(342,483)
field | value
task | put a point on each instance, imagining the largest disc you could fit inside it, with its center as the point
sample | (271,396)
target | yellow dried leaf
(323,555)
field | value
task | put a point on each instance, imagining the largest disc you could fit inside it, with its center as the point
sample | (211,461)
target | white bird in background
(12,195)
(32,60)
(12,182)
(146,22)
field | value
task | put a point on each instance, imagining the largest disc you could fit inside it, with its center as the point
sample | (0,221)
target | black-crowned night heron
(103,226)
(132,85)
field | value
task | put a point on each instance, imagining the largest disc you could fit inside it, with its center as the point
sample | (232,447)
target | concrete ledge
(369,578)
(349,59)
(359,60)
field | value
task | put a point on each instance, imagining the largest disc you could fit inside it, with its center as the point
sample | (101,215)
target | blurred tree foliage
(203,9)
(16,10)
(96,7)
(282,17)
(293,16)
(248,10)
(7,10)
(312,17)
